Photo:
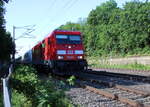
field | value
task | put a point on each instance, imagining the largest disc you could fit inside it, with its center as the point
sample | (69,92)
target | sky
(44,16)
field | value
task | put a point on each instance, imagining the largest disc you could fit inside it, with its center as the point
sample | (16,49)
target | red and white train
(61,50)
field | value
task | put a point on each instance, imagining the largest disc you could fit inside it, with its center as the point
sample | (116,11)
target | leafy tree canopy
(112,30)
(6,46)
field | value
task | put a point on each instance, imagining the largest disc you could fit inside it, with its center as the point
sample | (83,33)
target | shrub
(35,91)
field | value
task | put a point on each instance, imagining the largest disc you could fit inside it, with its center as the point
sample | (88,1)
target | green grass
(95,63)
(1,99)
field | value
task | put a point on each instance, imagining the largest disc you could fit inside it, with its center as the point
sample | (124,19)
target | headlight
(78,51)
(60,57)
(80,57)
(62,52)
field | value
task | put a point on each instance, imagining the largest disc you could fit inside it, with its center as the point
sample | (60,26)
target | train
(60,51)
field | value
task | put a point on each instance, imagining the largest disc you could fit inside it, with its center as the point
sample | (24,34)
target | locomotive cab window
(61,36)
(61,39)
(68,39)
(75,39)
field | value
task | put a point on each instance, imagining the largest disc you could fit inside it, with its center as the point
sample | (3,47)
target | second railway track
(133,77)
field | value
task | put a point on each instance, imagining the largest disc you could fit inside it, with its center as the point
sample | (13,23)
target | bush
(1,99)
(34,91)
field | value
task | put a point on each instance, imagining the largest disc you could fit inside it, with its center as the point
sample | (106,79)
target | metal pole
(14,33)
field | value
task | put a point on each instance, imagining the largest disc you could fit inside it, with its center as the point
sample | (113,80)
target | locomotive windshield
(68,39)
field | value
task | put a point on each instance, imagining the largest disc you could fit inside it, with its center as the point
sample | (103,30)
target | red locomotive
(61,50)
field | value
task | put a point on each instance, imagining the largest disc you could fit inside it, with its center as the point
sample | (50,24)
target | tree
(113,30)
(6,46)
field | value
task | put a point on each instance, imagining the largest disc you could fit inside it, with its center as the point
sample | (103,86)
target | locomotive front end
(70,51)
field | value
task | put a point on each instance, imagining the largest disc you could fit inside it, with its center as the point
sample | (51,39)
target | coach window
(43,45)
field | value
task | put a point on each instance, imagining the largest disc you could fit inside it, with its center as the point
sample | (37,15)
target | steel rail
(115,96)
(111,95)
(121,75)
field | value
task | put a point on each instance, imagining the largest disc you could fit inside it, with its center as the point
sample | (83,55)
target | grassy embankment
(1,100)
(95,62)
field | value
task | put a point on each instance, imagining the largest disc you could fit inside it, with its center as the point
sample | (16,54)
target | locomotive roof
(66,32)
(37,45)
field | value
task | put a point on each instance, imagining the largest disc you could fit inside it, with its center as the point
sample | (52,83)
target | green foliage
(6,46)
(1,99)
(71,26)
(113,30)
(20,100)
(35,91)
(95,63)
(126,66)
(71,80)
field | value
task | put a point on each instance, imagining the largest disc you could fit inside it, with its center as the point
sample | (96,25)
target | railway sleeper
(114,96)
(111,85)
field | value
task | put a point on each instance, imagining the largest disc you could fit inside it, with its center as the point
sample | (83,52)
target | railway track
(109,90)
(116,87)
(123,94)
(132,77)
(125,71)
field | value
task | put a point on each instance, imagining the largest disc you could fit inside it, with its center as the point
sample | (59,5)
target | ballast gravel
(86,98)
(142,87)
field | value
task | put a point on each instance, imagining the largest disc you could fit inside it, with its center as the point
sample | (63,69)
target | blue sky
(46,15)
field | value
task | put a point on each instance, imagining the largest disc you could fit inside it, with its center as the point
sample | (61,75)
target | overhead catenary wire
(27,33)
(67,4)
(62,11)
(71,5)
(65,8)
(49,9)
